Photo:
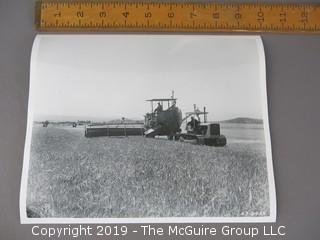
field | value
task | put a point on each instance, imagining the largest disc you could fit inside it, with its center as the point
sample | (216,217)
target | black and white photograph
(147,128)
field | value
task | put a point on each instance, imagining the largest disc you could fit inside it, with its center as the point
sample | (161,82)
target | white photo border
(271,183)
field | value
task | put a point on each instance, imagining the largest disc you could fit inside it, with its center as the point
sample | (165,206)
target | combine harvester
(165,119)
(161,121)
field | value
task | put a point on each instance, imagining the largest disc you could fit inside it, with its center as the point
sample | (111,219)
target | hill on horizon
(243,120)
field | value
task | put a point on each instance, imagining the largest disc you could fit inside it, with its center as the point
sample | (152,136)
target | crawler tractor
(202,133)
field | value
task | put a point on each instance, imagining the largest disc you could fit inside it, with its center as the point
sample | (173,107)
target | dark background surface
(293,81)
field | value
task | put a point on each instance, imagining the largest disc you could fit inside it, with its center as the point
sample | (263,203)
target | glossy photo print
(147,129)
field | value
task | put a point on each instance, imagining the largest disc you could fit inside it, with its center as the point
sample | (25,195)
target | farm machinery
(203,133)
(122,128)
(165,119)
(161,121)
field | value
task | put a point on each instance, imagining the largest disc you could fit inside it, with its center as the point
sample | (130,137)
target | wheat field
(74,176)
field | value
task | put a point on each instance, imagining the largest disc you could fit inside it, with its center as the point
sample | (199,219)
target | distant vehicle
(45,123)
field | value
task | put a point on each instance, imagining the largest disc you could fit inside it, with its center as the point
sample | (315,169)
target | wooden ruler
(106,16)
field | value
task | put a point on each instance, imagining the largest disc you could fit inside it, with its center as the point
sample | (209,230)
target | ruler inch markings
(107,16)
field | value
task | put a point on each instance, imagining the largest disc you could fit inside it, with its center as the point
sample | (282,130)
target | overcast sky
(111,76)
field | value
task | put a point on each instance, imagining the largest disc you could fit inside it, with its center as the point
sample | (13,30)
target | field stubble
(74,176)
